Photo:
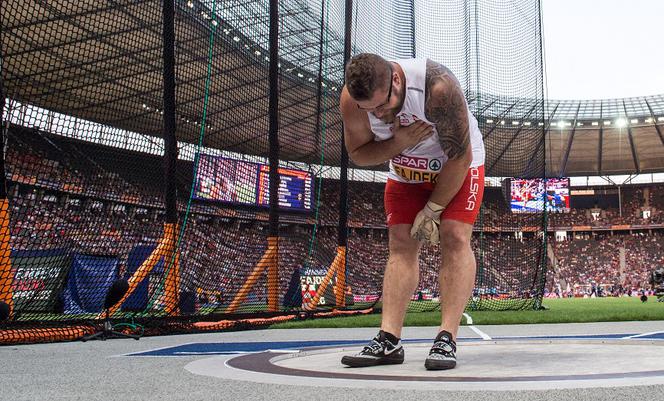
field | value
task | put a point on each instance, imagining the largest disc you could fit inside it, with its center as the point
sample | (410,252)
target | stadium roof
(587,137)
(102,62)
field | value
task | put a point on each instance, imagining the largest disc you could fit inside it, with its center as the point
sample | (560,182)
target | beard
(389,116)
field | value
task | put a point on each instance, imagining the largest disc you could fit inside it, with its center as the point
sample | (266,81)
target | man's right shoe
(380,351)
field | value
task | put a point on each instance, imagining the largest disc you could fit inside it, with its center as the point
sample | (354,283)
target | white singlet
(422,162)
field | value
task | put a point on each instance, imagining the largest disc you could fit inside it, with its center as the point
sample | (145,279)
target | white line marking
(274,351)
(480,333)
(284,351)
(469,320)
(213,352)
(643,334)
(135,353)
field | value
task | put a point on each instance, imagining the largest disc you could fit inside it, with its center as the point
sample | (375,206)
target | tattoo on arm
(445,106)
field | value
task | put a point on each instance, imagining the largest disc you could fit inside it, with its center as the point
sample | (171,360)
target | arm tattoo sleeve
(445,106)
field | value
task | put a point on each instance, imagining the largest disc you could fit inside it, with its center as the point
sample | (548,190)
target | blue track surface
(245,347)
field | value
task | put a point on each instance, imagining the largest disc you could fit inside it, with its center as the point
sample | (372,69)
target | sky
(603,48)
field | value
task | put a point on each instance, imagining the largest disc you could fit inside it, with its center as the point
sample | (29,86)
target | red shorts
(404,201)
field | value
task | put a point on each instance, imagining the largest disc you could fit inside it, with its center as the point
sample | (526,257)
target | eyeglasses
(389,95)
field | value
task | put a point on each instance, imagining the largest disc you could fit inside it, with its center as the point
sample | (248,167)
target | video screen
(226,180)
(241,182)
(557,194)
(533,195)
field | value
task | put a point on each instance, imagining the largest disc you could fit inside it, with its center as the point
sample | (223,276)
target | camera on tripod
(657,282)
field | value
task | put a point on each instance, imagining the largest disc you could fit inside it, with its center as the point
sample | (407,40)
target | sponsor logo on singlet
(413,168)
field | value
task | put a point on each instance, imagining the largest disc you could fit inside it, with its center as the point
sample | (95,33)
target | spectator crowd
(94,199)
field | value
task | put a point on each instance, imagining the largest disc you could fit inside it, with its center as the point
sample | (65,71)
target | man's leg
(399,283)
(400,279)
(457,277)
(457,272)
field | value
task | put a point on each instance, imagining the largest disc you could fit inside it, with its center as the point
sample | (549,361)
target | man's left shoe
(443,353)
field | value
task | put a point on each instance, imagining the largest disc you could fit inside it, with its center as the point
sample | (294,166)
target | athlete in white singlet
(413,114)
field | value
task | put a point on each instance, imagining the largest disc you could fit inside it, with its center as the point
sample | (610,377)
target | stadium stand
(87,219)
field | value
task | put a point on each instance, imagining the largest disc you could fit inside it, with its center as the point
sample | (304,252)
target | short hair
(365,73)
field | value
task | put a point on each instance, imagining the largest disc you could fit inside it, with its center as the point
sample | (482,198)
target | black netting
(85,154)
(495,51)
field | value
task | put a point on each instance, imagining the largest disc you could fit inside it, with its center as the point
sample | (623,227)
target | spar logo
(474,188)
(415,168)
(420,163)
(434,165)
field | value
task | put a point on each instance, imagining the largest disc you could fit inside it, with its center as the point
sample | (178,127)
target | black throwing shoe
(443,353)
(380,351)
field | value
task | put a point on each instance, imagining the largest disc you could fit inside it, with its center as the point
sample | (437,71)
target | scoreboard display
(294,188)
(246,183)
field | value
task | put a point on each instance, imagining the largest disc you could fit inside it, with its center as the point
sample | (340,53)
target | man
(413,113)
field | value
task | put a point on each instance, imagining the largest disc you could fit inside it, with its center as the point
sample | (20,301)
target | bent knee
(454,235)
(402,244)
